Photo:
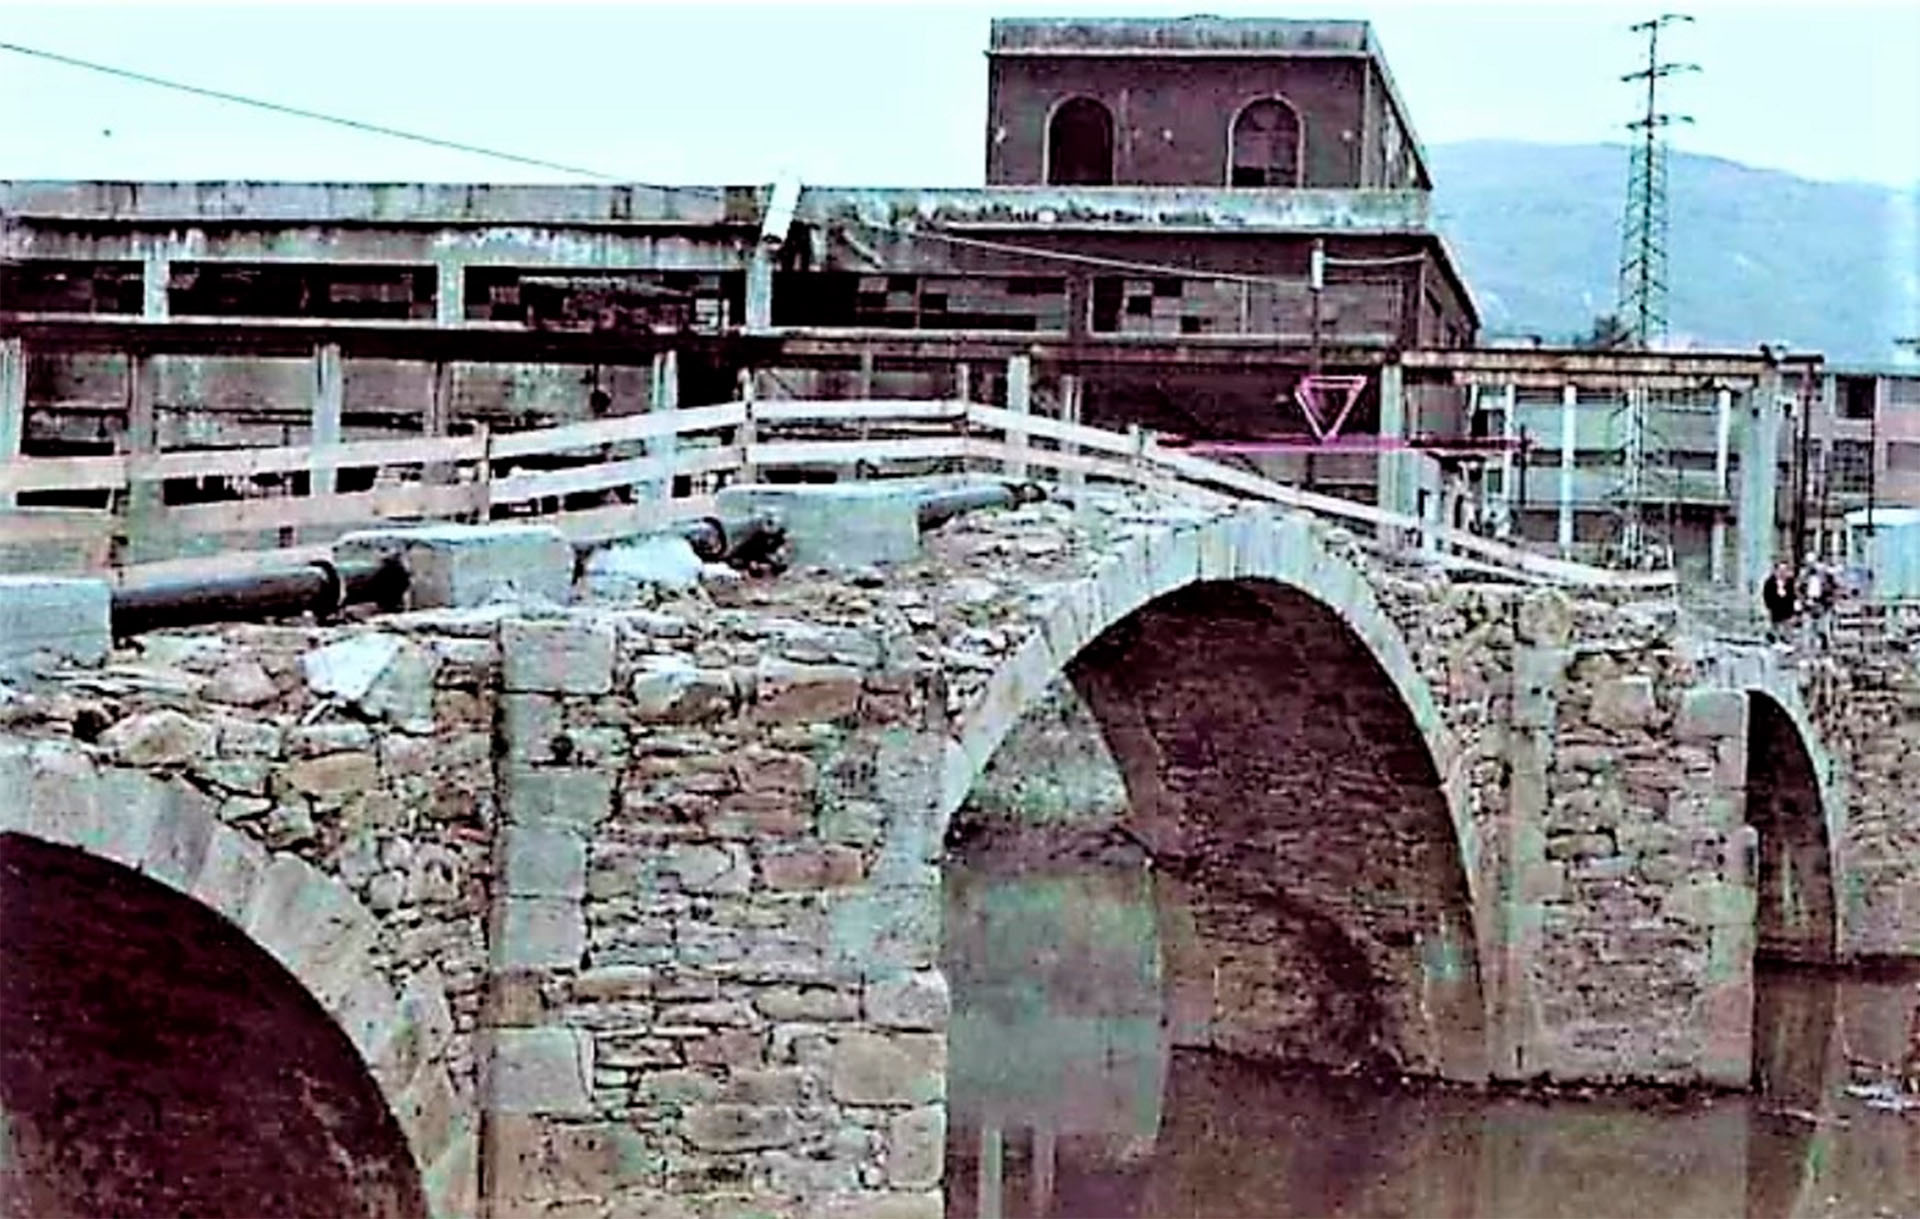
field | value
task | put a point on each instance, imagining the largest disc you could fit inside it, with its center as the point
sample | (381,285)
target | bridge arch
(209,904)
(1795,801)
(1268,586)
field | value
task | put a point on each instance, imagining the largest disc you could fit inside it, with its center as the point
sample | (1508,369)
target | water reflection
(1068,1098)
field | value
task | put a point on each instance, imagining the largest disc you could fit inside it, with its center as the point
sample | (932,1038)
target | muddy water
(1067,1100)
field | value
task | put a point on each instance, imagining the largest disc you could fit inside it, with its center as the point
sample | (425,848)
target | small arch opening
(1264,147)
(1080,144)
(157,1061)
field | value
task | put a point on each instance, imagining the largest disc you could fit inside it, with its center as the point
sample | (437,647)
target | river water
(1067,1100)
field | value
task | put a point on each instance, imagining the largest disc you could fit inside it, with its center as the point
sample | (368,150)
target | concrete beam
(462,566)
(13,405)
(62,619)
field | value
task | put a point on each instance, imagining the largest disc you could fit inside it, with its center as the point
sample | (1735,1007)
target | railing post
(484,505)
(749,433)
(13,406)
(438,419)
(329,393)
(663,397)
(1019,402)
(143,504)
(1070,414)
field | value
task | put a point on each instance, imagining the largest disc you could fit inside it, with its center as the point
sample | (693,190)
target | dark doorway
(1265,145)
(1080,144)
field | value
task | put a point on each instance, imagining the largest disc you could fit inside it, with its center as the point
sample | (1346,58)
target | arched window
(1264,146)
(1080,144)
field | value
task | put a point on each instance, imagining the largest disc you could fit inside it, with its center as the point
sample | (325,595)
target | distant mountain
(1754,255)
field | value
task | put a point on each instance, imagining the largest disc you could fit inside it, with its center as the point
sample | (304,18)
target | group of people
(1806,597)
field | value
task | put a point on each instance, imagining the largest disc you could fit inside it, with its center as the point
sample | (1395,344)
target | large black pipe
(322,588)
(939,507)
(732,539)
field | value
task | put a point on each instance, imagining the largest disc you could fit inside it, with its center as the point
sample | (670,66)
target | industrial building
(1217,230)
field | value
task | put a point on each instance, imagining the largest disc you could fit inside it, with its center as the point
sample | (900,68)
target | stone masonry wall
(323,790)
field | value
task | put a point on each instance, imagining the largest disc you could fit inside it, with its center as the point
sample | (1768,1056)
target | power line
(338,121)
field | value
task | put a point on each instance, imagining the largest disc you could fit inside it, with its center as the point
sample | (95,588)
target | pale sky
(870,94)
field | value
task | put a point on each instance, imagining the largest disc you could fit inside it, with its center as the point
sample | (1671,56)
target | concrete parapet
(62,618)
(458,566)
(839,525)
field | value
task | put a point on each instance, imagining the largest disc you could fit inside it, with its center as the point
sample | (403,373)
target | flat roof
(1232,35)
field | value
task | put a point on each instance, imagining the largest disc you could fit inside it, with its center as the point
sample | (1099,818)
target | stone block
(1545,618)
(600,1159)
(1711,714)
(916,1000)
(557,656)
(545,860)
(540,933)
(460,566)
(66,620)
(812,867)
(671,689)
(838,525)
(807,1003)
(899,1204)
(888,1069)
(543,1071)
(159,738)
(580,799)
(785,692)
(662,561)
(1625,702)
(333,778)
(917,1148)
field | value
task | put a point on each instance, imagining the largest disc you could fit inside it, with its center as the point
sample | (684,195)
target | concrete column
(329,397)
(13,406)
(1394,490)
(1569,438)
(1717,550)
(144,504)
(1020,402)
(1759,483)
(156,275)
(450,292)
(1723,438)
(760,290)
(1045,1156)
(992,1173)
(1507,512)
(663,395)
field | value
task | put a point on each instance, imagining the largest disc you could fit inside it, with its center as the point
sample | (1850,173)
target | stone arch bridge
(631,905)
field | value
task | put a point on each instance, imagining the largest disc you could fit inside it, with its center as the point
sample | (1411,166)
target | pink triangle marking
(1307,394)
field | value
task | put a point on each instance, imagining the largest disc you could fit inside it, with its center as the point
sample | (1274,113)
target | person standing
(1776,594)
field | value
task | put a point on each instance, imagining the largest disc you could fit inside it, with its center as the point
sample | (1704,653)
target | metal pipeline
(736,539)
(939,507)
(322,588)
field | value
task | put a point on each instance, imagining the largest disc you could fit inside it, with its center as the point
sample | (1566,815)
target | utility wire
(336,120)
